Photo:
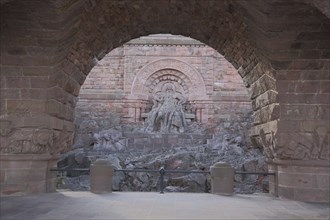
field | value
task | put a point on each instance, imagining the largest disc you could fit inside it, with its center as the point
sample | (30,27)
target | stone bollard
(101,173)
(222,179)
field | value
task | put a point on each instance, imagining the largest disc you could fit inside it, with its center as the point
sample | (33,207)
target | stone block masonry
(278,47)
(112,84)
(120,92)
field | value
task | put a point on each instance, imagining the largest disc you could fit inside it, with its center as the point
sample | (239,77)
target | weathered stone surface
(302,181)
(264,99)
(25,174)
(304,146)
(289,36)
(228,144)
(167,114)
(115,138)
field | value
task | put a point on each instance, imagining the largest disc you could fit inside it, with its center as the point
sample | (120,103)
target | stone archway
(228,107)
(49,48)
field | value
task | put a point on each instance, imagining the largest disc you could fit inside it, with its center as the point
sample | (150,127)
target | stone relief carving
(62,141)
(268,144)
(6,128)
(43,137)
(109,140)
(36,141)
(167,113)
(295,152)
(26,141)
(310,146)
(297,146)
(189,76)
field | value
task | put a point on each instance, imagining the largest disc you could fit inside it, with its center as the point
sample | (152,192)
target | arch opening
(48,48)
(131,86)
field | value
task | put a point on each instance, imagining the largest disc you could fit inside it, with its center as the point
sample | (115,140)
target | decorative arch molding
(166,75)
(196,88)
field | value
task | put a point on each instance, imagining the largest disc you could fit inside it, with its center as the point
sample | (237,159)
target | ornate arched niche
(197,89)
(151,78)
(158,79)
(180,83)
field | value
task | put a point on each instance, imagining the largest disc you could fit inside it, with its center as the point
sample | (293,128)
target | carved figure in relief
(6,128)
(26,141)
(298,146)
(43,137)
(167,113)
(268,144)
(37,141)
(62,141)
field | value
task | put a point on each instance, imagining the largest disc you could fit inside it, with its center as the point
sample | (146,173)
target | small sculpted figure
(167,113)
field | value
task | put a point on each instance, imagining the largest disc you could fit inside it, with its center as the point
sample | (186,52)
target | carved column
(201,112)
(134,107)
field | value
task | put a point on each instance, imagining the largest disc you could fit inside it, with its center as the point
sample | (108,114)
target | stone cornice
(306,163)
(165,40)
(163,45)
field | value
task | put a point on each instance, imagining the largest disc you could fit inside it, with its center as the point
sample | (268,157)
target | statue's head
(168,87)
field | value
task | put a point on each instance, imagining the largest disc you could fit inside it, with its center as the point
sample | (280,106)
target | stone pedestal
(222,179)
(101,173)
(300,180)
(25,174)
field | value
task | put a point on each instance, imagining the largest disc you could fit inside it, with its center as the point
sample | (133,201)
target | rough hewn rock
(229,144)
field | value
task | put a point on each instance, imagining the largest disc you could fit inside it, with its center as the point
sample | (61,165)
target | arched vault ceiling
(275,26)
(255,36)
(86,29)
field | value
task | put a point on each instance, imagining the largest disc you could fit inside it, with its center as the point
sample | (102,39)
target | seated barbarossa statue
(167,113)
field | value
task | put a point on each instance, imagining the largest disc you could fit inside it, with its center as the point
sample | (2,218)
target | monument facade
(165,100)
(165,83)
(279,48)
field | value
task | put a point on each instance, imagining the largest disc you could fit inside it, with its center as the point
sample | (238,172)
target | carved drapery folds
(167,113)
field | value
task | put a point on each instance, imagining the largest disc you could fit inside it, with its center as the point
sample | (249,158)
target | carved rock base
(26,174)
(302,180)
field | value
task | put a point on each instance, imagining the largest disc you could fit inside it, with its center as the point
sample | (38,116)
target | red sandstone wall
(110,81)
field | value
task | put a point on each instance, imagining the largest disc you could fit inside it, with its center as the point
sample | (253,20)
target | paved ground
(147,205)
